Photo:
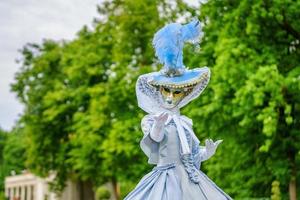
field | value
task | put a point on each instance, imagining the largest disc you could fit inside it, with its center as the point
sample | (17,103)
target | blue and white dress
(176,176)
(177,156)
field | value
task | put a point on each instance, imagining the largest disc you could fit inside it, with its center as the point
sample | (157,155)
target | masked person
(169,141)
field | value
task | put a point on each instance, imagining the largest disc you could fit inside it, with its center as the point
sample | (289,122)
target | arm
(209,149)
(154,126)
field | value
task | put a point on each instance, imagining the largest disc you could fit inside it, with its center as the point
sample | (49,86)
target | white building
(27,187)
(30,187)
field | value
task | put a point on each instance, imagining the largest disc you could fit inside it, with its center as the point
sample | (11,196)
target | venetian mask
(172,96)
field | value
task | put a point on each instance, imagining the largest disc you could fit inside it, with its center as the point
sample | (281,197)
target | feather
(168,43)
(192,32)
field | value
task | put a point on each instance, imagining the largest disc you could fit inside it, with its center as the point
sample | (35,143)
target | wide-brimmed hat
(168,43)
(187,79)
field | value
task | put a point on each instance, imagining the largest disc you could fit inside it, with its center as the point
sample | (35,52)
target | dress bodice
(169,148)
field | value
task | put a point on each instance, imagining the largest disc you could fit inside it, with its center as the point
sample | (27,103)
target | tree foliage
(2,169)
(253,98)
(12,155)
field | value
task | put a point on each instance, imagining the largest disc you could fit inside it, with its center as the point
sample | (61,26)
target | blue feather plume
(168,44)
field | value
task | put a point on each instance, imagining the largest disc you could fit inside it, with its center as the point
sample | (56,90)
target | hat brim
(187,79)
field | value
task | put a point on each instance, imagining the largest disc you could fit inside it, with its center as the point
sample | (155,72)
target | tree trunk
(292,184)
(293,189)
(86,190)
(116,189)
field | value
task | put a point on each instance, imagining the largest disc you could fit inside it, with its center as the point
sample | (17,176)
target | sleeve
(200,155)
(147,125)
(196,155)
(147,144)
(203,153)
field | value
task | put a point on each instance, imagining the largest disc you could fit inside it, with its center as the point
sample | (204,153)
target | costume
(169,141)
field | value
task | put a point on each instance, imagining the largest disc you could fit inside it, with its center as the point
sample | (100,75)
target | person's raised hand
(156,132)
(211,146)
(161,119)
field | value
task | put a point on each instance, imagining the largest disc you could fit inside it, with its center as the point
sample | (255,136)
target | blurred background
(70,125)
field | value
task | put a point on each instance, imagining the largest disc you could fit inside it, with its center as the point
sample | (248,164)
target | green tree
(12,154)
(3,136)
(252,101)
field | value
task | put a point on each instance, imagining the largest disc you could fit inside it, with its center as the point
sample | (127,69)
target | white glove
(210,149)
(156,132)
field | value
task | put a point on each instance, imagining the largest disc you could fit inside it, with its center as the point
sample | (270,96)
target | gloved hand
(210,148)
(156,132)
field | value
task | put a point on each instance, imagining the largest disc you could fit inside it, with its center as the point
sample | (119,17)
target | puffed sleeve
(147,127)
(146,124)
(147,144)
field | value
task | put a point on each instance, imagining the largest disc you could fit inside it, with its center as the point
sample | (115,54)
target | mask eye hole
(166,89)
(177,92)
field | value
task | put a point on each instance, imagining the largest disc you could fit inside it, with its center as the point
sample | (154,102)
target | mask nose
(169,101)
(169,98)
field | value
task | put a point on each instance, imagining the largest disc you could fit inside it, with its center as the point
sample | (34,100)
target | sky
(24,21)
(31,21)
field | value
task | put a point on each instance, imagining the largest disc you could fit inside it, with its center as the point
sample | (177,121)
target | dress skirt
(171,182)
